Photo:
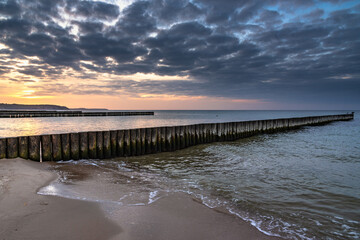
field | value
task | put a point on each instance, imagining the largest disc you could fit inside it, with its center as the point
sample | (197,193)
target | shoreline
(28,215)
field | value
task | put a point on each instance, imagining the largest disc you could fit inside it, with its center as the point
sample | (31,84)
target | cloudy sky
(181,54)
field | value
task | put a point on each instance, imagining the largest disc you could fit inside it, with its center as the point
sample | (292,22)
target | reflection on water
(300,184)
(12,127)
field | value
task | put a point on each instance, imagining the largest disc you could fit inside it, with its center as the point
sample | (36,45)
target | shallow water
(301,184)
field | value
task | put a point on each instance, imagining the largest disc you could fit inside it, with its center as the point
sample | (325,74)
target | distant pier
(141,141)
(30,114)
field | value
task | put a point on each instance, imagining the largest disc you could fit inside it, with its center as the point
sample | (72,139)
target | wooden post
(232,127)
(34,148)
(168,139)
(74,146)
(154,140)
(147,140)
(46,147)
(240,129)
(182,137)
(218,132)
(197,134)
(286,124)
(65,147)
(23,147)
(84,145)
(99,145)
(2,148)
(127,143)
(142,141)
(56,147)
(133,142)
(92,145)
(107,144)
(247,128)
(208,130)
(251,128)
(256,124)
(113,138)
(162,139)
(290,120)
(177,138)
(232,130)
(213,132)
(203,133)
(120,143)
(225,131)
(138,142)
(187,136)
(12,147)
(191,135)
(260,126)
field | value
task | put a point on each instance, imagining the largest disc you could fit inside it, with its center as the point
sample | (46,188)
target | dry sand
(27,215)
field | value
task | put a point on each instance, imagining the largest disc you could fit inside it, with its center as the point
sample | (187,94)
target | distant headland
(6,106)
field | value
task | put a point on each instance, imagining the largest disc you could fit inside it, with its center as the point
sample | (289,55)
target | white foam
(152,197)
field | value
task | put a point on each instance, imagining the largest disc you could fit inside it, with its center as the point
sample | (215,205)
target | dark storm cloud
(92,9)
(232,48)
(136,22)
(89,27)
(175,10)
(9,8)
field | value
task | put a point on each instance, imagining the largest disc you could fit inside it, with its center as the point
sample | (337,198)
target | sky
(181,54)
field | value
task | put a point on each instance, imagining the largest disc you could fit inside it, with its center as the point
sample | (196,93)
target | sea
(299,184)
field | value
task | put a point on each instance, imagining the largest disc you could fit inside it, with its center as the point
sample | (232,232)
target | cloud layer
(279,51)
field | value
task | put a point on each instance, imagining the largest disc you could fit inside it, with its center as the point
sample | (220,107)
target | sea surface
(300,184)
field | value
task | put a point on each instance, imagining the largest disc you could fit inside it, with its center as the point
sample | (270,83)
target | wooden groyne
(29,114)
(135,142)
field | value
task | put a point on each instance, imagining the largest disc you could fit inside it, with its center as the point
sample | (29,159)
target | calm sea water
(12,127)
(301,184)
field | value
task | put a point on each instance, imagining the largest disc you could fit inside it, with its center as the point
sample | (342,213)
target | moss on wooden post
(107,144)
(168,139)
(182,137)
(74,146)
(99,145)
(187,136)
(154,140)
(24,147)
(113,139)
(162,139)
(65,147)
(120,144)
(147,140)
(142,141)
(127,143)
(46,148)
(92,145)
(177,138)
(56,147)
(213,132)
(12,149)
(34,148)
(133,142)
(84,145)
(2,148)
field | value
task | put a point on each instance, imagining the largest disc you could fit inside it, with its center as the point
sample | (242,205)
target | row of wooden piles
(136,142)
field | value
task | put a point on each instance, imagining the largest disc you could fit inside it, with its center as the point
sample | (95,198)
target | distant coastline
(5,106)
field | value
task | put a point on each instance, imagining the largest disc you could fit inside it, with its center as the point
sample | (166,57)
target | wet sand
(27,215)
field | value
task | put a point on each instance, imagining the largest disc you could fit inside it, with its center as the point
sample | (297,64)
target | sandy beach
(27,215)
